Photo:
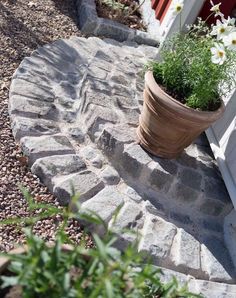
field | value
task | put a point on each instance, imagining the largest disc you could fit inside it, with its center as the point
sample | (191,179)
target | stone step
(50,167)
(208,289)
(168,245)
(42,146)
(74,106)
(174,248)
(22,127)
(189,183)
(85,184)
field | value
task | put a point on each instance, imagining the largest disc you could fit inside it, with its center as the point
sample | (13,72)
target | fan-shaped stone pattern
(74,107)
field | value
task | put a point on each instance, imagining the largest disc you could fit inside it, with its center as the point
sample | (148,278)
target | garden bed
(125,12)
(105,24)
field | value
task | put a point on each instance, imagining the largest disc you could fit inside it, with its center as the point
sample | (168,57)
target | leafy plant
(121,8)
(103,271)
(198,67)
(115,5)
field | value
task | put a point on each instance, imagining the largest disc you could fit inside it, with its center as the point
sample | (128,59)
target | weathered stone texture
(31,90)
(184,247)
(113,138)
(105,203)
(158,236)
(216,262)
(24,106)
(76,117)
(49,167)
(38,147)
(129,217)
(84,184)
(110,175)
(22,127)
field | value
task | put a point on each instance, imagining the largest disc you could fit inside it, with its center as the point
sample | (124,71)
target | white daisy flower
(230,41)
(230,21)
(216,9)
(221,29)
(218,54)
(176,6)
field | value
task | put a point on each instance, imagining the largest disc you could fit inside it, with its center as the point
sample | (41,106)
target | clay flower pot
(166,126)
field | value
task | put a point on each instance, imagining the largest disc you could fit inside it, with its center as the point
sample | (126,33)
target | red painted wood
(165,10)
(226,8)
(161,8)
(155,3)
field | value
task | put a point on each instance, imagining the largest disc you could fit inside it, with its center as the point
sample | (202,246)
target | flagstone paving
(74,106)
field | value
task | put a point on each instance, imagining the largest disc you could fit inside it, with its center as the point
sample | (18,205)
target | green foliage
(103,271)
(186,71)
(115,5)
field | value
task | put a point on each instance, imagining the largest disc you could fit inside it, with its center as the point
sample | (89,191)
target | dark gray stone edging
(90,23)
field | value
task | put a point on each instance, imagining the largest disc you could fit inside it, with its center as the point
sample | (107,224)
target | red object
(165,11)
(226,8)
(154,3)
(160,7)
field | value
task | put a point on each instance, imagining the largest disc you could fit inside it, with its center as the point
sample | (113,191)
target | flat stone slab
(74,106)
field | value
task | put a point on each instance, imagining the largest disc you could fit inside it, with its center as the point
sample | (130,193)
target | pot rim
(175,104)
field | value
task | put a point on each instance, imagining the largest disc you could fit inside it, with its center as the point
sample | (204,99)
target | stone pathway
(74,106)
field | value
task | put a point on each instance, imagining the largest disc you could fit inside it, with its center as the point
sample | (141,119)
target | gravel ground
(25,25)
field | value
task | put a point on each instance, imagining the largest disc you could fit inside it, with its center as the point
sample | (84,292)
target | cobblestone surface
(171,204)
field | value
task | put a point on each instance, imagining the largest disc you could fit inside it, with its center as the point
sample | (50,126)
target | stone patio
(74,106)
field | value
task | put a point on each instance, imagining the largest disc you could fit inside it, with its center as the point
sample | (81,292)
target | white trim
(220,158)
(189,14)
(149,18)
(220,134)
(218,139)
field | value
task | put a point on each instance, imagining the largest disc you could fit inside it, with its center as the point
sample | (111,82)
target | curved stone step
(208,289)
(168,245)
(85,184)
(42,146)
(190,187)
(78,96)
(50,167)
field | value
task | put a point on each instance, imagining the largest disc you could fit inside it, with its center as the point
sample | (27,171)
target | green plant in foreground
(103,271)
(198,67)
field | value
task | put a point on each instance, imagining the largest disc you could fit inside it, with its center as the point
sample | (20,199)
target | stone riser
(77,101)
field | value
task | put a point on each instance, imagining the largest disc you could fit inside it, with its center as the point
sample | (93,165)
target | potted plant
(59,270)
(184,88)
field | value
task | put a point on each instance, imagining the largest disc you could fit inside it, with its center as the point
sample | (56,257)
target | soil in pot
(130,16)
(212,106)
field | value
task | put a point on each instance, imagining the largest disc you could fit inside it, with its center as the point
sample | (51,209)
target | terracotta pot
(166,126)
